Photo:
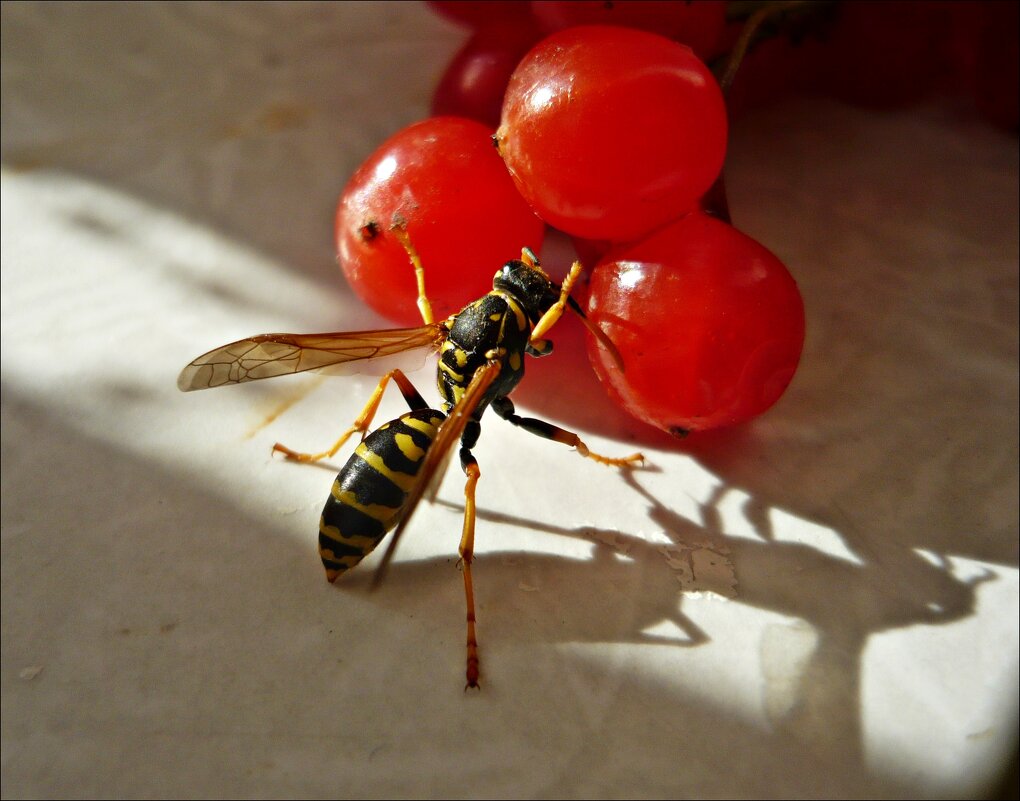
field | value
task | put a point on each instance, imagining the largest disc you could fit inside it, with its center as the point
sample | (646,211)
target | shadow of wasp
(481,360)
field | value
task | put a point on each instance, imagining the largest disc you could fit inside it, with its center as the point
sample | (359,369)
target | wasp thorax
(529,285)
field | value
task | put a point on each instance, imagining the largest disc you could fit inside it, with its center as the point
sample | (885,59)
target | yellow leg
(467,552)
(613,461)
(363,421)
(556,310)
(424,307)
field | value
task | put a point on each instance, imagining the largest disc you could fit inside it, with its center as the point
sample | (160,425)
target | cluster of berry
(614,135)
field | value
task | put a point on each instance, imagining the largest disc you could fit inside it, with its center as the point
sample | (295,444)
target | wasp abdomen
(370,491)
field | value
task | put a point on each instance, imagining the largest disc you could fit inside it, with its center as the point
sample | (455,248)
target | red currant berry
(475,82)
(699,25)
(442,180)
(709,323)
(611,132)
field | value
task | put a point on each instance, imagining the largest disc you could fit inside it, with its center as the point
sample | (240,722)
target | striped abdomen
(368,496)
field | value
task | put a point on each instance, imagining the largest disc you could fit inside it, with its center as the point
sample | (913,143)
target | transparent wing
(439,453)
(271,355)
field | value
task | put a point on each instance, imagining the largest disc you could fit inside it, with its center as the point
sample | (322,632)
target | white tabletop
(823,602)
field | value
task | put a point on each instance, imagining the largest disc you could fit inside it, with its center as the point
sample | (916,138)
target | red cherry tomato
(709,323)
(611,132)
(444,181)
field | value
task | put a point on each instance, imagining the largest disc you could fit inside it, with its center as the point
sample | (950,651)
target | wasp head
(529,284)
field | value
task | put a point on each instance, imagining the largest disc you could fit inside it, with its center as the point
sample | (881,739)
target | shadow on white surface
(187,646)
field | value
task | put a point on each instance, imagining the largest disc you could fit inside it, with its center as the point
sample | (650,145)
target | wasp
(481,352)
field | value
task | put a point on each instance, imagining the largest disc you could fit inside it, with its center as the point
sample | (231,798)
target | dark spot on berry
(679,432)
(369,230)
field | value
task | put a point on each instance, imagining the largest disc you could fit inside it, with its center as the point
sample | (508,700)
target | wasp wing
(271,355)
(439,453)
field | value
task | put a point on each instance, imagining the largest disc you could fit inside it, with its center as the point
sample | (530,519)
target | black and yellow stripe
(369,494)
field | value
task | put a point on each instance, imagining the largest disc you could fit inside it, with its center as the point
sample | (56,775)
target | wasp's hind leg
(504,407)
(467,546)
(467,552)
(364,420)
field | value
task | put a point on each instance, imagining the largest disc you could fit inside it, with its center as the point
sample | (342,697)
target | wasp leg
(556,310)
(467,554)
(424,307)
(364,420)
(467,543)
(504,407)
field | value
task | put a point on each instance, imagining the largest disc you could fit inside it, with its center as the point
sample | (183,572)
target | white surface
(822,603)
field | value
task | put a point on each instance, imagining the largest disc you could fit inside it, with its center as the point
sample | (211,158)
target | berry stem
(747,34)
(715,201)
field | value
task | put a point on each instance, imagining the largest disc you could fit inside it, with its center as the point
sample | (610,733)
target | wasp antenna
(598,333)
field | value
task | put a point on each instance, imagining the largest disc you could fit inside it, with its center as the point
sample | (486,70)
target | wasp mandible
(481,360)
